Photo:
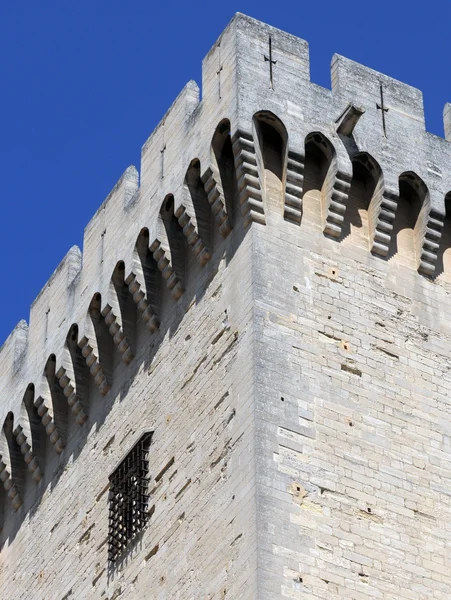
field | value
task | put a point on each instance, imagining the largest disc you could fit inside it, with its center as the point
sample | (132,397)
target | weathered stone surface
(272,302)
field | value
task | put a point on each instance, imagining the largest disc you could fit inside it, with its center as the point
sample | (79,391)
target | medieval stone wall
(190,383)
(270,299)
(353,440)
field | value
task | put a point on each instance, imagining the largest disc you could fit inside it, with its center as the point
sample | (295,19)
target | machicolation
(351,168)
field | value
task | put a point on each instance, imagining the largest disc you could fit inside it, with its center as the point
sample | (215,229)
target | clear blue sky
(83,84)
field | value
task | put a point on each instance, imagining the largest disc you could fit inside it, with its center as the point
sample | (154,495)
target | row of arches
(397,224)
(64,396)
(294,185)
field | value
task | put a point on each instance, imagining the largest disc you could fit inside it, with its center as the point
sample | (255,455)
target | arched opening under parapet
(443,268)
(410,220)
(319,157)
(176,241)
(78,371)
(123,306)
(3,500)
(222,153)
(31,424)
(272,138)
(59,408)
(12,456)
(6,509)
(364,198)
(147,271)
(100,338)
(199,200)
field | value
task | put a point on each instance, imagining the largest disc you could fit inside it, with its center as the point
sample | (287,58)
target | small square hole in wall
(129,499)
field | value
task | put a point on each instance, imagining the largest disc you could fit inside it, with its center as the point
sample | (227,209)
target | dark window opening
(129,499)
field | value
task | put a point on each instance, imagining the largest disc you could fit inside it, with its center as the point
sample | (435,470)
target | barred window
(128,499)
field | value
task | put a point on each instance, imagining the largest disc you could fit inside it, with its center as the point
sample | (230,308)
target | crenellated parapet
(260,139)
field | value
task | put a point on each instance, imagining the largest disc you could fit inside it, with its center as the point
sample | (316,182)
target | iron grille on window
(128,499)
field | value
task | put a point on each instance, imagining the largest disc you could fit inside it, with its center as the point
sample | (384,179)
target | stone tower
(240,389)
